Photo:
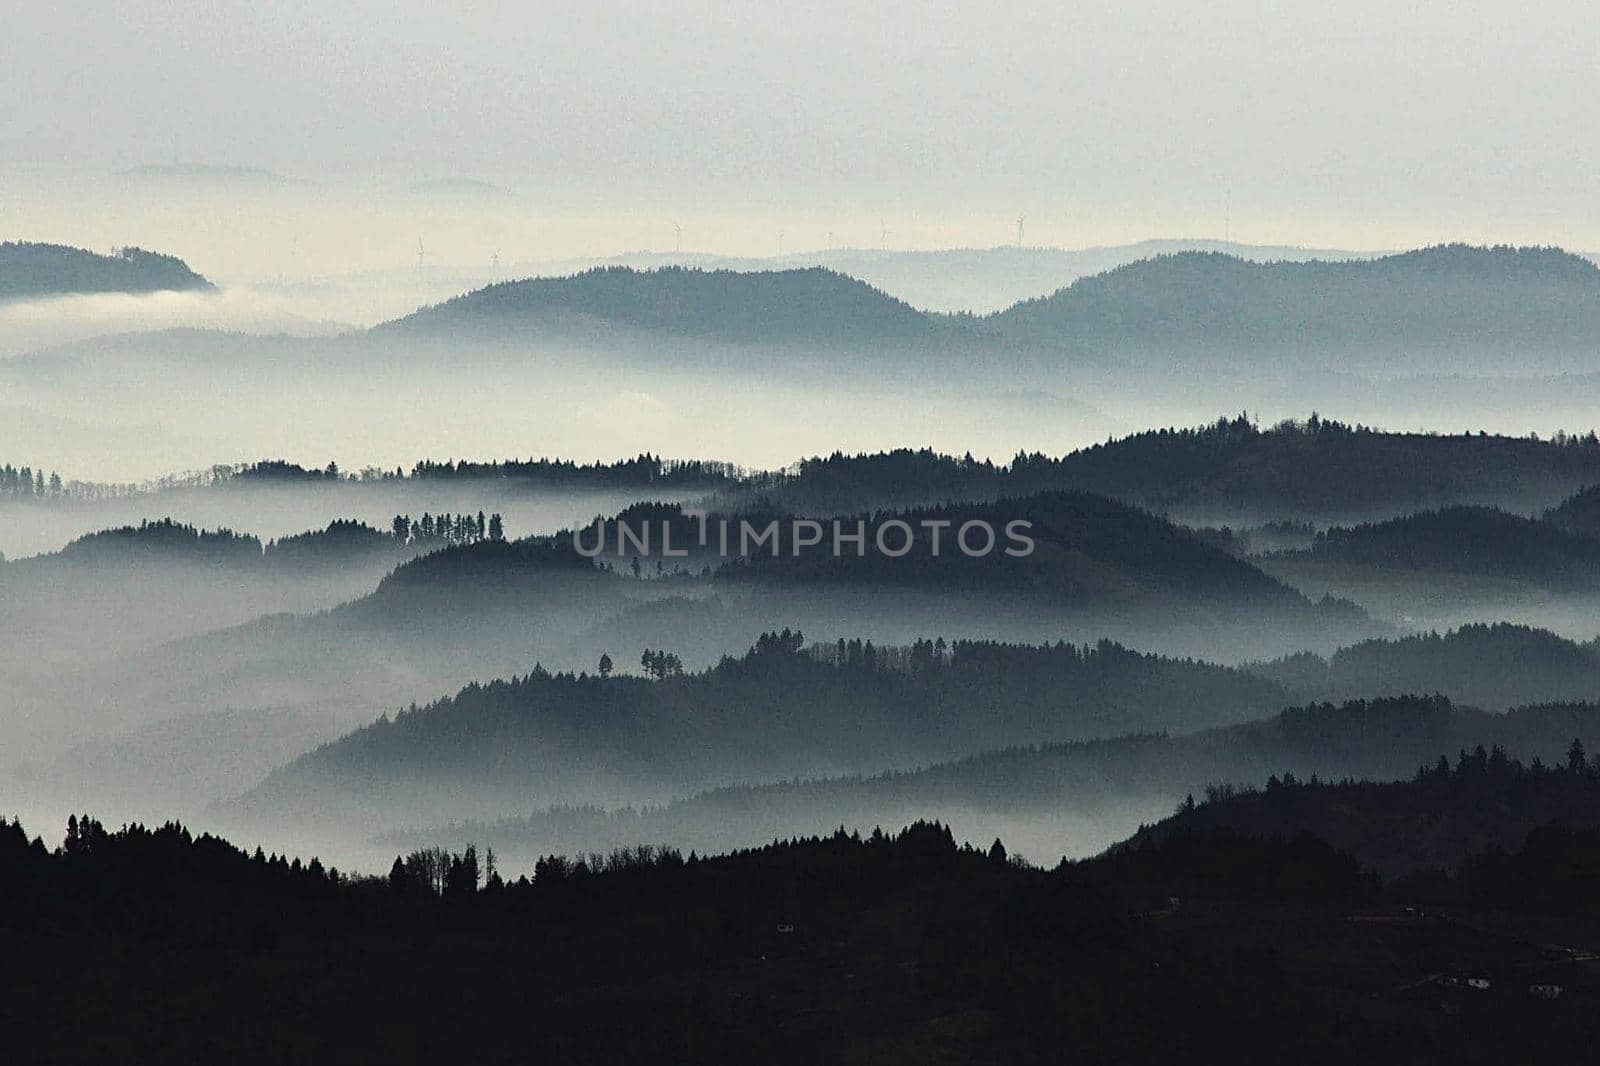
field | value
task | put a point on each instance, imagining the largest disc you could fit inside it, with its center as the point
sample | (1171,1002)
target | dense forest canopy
(864,945)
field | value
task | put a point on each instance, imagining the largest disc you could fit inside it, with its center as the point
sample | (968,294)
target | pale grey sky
(1353,124)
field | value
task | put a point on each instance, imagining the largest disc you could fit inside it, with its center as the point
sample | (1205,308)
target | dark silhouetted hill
(1450,809)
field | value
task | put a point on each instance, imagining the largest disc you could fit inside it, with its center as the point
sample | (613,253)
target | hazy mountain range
(1447,308)
(976,280)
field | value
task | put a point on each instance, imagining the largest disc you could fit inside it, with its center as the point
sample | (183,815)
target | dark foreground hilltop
(1203,946)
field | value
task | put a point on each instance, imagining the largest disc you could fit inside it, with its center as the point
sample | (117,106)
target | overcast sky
(1351,124)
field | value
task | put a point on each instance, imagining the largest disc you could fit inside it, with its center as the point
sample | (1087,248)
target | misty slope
(1488,666)
(811,306)
(35,270)
(1467,802)
(1230,471)
(774,713)
(1452,305)
(126,627)
(1075,797)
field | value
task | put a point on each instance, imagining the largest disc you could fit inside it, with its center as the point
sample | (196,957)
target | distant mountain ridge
(29,270)
(1452,307)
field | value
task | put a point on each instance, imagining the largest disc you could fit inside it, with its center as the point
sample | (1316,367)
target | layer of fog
(140,406)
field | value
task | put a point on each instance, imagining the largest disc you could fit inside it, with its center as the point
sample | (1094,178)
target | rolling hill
(779,307)
(1454,305)
(1447,811)
(953,280)
(1051,799)
(1489,666)
(1468,540)
(1231,471)
(776,712)
(29,271)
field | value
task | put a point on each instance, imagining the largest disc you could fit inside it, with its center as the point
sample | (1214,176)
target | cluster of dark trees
(447,528)
(657,664)
(439,872)
(27,483)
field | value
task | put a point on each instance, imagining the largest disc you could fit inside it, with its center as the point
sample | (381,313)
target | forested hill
(1085,551)
(1445,301)
(1321,468)
(1460,804)
(34,270)
(777,307)
(776,712)
(1231,470)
